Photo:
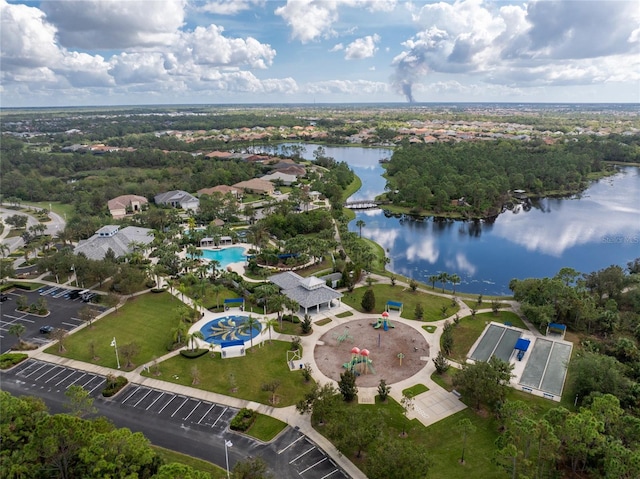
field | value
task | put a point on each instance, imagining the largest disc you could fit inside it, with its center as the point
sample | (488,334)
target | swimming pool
(229,328)
(225,256)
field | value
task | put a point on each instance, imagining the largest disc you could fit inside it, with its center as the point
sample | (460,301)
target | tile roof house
(120,206)
(178,199)
(111,237)
(307,292)
(256,185)
(280,177)
(223,189)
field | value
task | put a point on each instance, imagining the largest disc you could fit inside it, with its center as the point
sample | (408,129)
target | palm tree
(292,305)
(443,278)
(179,332)
(455,279)
(361,224)
(269,324)
(217,289)
(275,303)
(192,339)
(248,325)
(4,250)
(433,279)
(18,329)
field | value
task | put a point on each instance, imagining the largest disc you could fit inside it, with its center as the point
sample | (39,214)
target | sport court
(543,367)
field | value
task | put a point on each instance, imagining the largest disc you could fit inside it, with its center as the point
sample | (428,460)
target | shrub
(8,360)
(305,326)
(368,302)
(193,353)
(243,420)
(114,384)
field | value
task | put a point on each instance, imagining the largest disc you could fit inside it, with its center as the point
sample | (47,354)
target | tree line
(430,177)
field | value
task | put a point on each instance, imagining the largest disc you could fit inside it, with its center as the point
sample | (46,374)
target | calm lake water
(587,232)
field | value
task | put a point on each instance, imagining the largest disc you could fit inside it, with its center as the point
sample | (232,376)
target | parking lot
(63,314)
(291,454)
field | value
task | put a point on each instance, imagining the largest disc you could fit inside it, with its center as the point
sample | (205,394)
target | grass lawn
(485,304)
(443,444)
(169,456)
(414,390)
(146,320)
(346,314)
(431,305)
(265,428)
(504,317)
(241,377)
(429,329)
(322,322)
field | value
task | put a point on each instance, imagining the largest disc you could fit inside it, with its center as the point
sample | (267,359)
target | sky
(130,52)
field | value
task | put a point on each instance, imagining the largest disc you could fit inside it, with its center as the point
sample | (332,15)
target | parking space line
(330,474)
(43,365)
(148,392)
(77,379)
(46,372)
(216,421)
(205,414)
(99,385)
(189,415)
(282,450)
(69,324)
(155,400)
(304,453)
(174,412)
(313,465)
(56,374)
(66,377)
(167,404)
(90,379)
(29,365)
(129,396)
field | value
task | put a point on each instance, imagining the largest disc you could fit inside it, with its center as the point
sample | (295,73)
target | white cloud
(230,7)
(313,19)
(337,47)
(427,249)
(541,43)
(351,87)
(109,24)
(362,48)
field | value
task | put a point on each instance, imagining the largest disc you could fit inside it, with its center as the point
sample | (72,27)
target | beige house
(124,205)
(256,185)
(222,189)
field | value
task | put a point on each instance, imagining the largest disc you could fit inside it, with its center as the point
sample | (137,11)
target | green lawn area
(169,456)
(442,442)
(322,322)
(265,428)
(240,377)
(429,328)
(346,314)
(431,304)
(146,320)
(414,390)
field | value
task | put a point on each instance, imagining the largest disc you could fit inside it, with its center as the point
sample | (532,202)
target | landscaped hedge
(114,385)
(192,354)
(11,359)
(243,420)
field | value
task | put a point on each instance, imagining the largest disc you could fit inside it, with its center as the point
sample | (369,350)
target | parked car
(46,329)
(4,297)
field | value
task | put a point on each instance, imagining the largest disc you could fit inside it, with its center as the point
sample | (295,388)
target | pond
(587,232)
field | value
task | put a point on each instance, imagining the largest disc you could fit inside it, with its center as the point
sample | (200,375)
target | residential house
(178,199)
(121,206)
(257,186)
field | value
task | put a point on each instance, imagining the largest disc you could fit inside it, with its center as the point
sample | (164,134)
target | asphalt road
(177,422)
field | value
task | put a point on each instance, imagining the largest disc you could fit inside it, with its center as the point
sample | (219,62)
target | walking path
(428,407)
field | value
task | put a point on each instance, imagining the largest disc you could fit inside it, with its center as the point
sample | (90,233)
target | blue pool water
(225,256)
(229,328)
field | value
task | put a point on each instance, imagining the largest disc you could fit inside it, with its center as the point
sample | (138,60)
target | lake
(587,232)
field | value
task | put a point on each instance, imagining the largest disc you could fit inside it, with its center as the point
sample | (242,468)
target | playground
(334,349)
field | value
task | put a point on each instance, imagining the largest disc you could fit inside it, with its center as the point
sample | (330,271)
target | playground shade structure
(496,341)
(229,328)
(546,368)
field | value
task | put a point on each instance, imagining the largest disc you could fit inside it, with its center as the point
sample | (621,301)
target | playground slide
(377,324)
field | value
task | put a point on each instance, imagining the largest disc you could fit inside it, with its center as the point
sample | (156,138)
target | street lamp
(227,444)
(114,345)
